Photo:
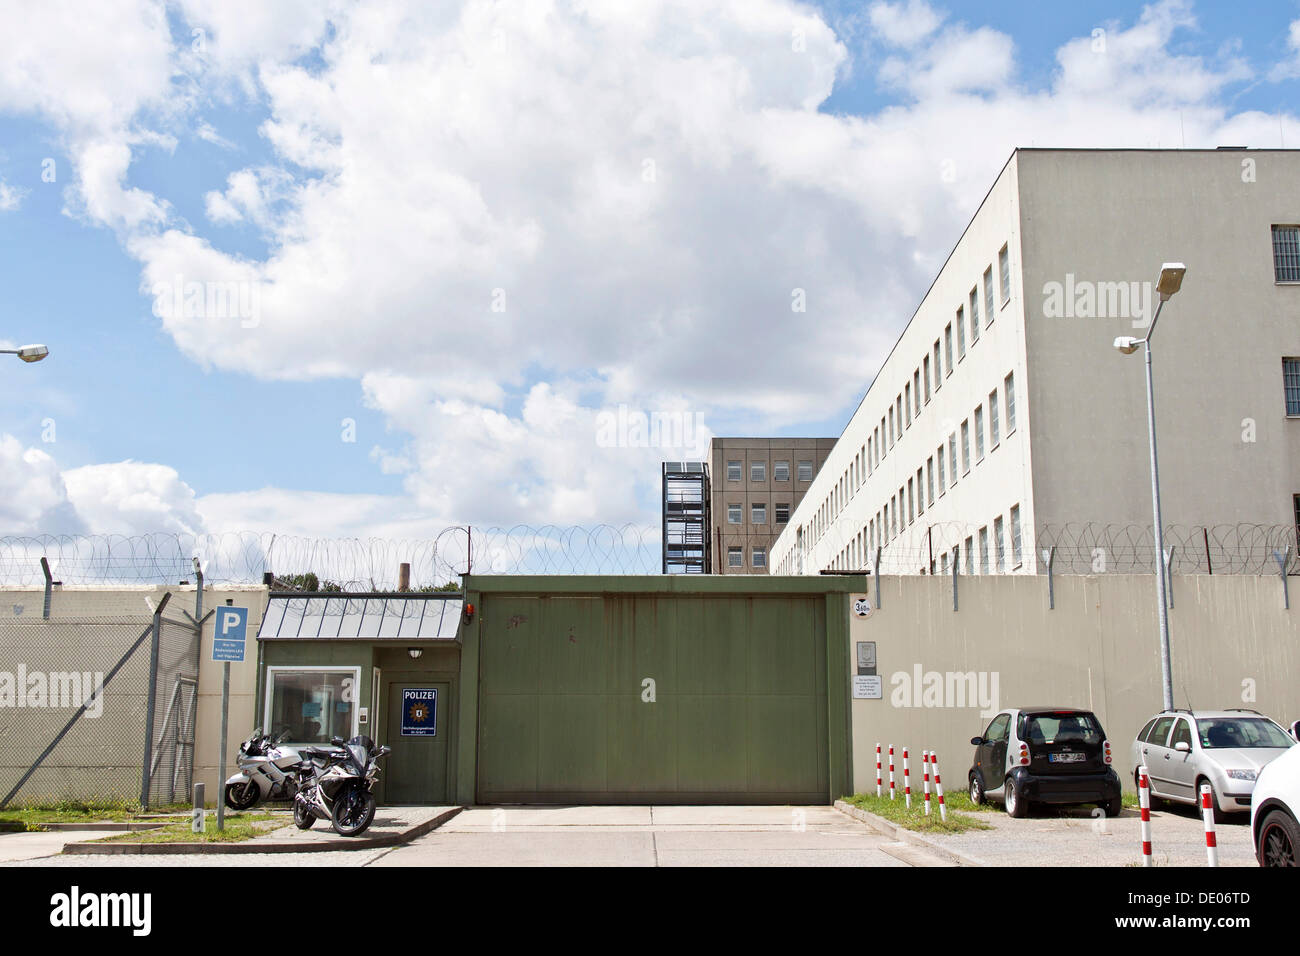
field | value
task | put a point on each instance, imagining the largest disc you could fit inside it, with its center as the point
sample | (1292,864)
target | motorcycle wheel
(353,812)
(303,818)
(242,796)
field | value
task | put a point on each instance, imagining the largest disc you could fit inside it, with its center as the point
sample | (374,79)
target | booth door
(418,728)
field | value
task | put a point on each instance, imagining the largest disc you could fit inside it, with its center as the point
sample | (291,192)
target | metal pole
(1205,535)
(956,563)
(1283,558)
(1166,675)
(147,770)
(1049,556)
(221,772)
(49,586)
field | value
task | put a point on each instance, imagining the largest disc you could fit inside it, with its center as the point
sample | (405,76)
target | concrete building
(1003,416)
(757,484)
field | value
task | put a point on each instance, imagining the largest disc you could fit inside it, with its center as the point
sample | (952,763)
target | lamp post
(28,353)
(1171,279)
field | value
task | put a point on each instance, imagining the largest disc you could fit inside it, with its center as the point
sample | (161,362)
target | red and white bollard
(907,781)
(925,764)
(891,772)
(877,769)
(1207,813)
(1144,803)
(938,786)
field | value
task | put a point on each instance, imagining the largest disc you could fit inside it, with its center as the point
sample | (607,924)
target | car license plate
(1065,758)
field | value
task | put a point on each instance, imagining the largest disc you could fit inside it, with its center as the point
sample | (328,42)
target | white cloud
(502,221)
(11,197)
(1289,69)
(132,498)
(33,497)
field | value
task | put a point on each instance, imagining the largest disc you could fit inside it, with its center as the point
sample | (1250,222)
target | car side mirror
(1183,747)
(977,741)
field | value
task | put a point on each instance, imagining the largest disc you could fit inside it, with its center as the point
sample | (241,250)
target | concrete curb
(903,834)
(98,848)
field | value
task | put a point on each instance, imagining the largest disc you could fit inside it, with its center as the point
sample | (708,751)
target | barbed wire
(1080,548)
(344,563)
(373,563)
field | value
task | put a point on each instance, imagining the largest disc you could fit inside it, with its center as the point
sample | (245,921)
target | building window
(759,557)
(988,296)
(314,703)
(943,562)
(999,545)
(929,479)
(947,348)
(733,514)
(1291,384)
(925,377)
(994,438)
(907,405)
(974,316)
(911,502)
(937,367)
(916,392)
(1009,390)
(805,471)
(1286,253)
(885,525)
(782,513)
(943,486)
(970,557)
(1017,557)
(734,558)
(979,433)
(758,514)
(920,493)
(984,550)
(758,471)
(780,471)
(961,335)
(952,457)
(733,471)
(965,446)
(1004,267)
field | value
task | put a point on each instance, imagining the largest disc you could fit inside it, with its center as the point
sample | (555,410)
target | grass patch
(239,827)
(895,811)
(35,817)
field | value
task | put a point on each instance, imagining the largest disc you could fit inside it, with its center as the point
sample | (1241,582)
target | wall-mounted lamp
(415,652)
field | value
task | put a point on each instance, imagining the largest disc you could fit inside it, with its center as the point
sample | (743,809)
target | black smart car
(1056,755)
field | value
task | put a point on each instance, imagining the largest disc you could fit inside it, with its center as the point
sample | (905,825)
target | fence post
(1205,536)
(956,562)
(1049,557)
(877,576)
(1283,558)
(1169,581)
(147,772)
(49,586)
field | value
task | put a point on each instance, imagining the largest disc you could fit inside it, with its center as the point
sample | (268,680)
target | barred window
(782,513)
(733,514)
(734,558)
(1286,253)
(805,471)
(733,471)
(984,550)
(998,544)
(1291,384)
(780,471)
(758,471)
(1017,558)
(760,557)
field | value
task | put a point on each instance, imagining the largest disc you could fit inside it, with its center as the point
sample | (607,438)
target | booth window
(312,704)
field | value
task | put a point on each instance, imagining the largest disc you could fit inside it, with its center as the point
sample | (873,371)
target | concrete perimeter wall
(1232,644)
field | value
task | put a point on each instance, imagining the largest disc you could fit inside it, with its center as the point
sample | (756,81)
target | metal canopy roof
(367,617)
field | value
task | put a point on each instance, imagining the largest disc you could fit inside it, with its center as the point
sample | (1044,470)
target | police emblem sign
(419,712)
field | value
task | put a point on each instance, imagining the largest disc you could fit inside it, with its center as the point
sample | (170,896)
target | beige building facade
(1004,420)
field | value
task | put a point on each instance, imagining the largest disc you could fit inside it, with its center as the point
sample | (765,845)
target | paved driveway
(656,836)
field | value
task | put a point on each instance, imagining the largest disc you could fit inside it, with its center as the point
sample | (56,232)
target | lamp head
(1127,344)
(33,353)
(1171,279)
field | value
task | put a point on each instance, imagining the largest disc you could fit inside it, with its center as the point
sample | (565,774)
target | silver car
(1182,749)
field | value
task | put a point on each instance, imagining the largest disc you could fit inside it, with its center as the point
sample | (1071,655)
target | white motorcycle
(338,785)
(267,771)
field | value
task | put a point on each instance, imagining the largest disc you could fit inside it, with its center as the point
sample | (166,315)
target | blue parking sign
(230,630)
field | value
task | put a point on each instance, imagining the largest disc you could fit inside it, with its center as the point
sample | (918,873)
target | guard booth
(384,665)
(685,689)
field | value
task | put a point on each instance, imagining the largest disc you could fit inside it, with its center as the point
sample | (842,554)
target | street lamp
(1171,280)
(28,353)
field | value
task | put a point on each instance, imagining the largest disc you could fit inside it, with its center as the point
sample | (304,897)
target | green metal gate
(666,698)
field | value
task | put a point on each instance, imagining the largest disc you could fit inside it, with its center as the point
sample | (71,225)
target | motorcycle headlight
(1241,774)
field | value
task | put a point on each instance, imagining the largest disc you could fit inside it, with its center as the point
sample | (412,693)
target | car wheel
(1219,815)
(976,790)
(1113,808)
(1279,839)
(1017,806)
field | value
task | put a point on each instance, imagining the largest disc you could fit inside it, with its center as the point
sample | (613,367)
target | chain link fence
(75,710)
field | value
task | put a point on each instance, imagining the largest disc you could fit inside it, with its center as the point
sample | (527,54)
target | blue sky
(383,238)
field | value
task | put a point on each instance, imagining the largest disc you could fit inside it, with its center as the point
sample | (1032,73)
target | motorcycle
(338,785)
(267,771)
